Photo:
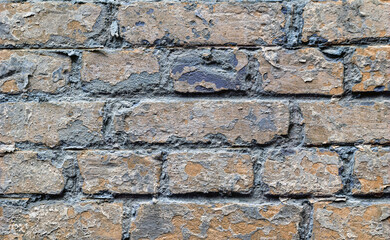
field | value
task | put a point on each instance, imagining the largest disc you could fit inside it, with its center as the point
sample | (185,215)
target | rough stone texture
(299,71)
(52,23)
(119,67)
(88,220)
(78,123)
(209,70)
(201,23)
(209,172)
(196,121)
(354,221)
(302,171)
(32,70)
(217,221)
(342,21)
(372,170)
(26,172)
(119,172)
(346,122)
(373,64)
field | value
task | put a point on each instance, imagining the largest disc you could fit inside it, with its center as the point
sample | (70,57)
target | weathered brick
(346,122)
(217,221)
(373,64)
(88,220)
(209,172)
(129,70)
(33,70)
(302,171)
(351,221)
(209,70)
(56,24)
(119,172)
(50,123)
(299,71)
(201,23)
(197,121)
(25,172)
(372,170)
(341,21)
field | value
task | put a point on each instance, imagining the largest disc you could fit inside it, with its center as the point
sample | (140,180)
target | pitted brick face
(201,23)
(55,23)
(50,123)
(217,221)
(28,172)
(158,121)
(62,221)
(119,172)
(210,172)
(372,170)
(335,122)
(373,64)
(355,221)
(299,71)
(42,71)
(343,21)
(301,171)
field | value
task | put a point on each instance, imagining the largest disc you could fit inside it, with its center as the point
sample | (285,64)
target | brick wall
(183,120)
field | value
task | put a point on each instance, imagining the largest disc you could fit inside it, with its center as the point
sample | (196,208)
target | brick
(115,67)
(201,23)
(88,220)
(197,121)
(351,221)
(372,170)
(119,172)
(55,24)
(209,70)
(373,64)
(32,70)
(217,221)
(25,172)
(342,21)
(49,123)
(299,71)
(302,171)
(346,122)
(209,172)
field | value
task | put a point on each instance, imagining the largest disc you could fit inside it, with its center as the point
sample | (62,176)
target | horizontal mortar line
(155,148)
(196,46)
(228,98)
(193,198)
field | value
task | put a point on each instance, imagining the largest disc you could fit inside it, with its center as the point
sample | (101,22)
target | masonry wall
(195,120)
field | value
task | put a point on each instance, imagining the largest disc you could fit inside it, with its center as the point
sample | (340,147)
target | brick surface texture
(171,120)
